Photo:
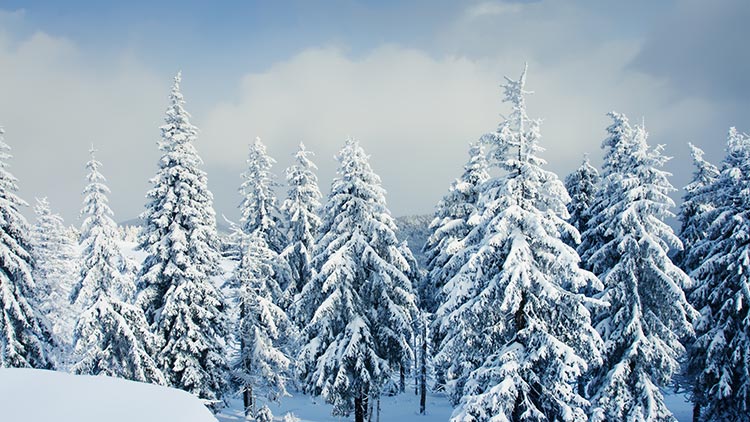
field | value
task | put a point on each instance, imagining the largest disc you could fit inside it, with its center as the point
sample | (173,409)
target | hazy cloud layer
(414,106)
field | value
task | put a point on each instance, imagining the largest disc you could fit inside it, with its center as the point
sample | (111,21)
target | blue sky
(414,81)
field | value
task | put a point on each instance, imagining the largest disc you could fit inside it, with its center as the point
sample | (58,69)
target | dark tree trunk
(696,412)
(360,406)
(247,391)
(401,379)
(423,370)
(247,399)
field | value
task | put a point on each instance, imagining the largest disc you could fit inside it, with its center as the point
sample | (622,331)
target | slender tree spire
(648,314)
(360,305)
(301,209)
(518,333)
(56,267)
(582,186)
(719,358)
(111,336)
(260,212)
(185,308)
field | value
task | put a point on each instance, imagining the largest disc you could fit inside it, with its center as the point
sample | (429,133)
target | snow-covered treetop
(696,204)
(463,193)
(96,210)
(42,208)
(357,191)
(105,268)
(518,132)
(178,130)
(705,173)
(259,208)
(8,182)
(617,146)
(582,186)
(518,333)
(303,199)
(514,148)
(26,340)
(180,204)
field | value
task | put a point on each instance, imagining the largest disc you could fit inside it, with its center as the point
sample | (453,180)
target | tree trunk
(423,370)
(247,399)
(247,391)
(359,409)
(696,412)
(401,379)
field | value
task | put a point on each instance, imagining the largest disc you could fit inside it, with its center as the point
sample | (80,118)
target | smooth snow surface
(31,395)
(401,408)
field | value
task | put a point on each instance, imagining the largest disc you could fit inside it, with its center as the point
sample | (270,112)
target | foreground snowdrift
(30,395)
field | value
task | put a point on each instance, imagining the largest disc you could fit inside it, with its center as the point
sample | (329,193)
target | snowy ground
(403,408)
(32,395)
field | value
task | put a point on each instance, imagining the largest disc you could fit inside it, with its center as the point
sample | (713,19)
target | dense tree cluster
(539,301)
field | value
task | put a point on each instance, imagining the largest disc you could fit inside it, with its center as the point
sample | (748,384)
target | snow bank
(31,395)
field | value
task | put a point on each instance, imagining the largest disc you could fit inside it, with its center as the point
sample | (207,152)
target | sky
(414,81)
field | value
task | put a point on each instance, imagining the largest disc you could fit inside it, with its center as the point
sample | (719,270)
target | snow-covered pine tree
(617,150)
(360,304)
(264,332)
(448,247)
(696,205)
(449,227)
(581,186)
(719,360)
(26,340)
(186,310)
(648,314)
(111,335)
(290,417)
(301,209)
(55,269)
(259,210)
(522,322)
(264,415)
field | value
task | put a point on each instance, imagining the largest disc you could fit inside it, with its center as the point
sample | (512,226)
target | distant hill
(414,230)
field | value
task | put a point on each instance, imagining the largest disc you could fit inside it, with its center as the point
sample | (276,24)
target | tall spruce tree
(26,340)
(617,150)
(522,329)
(446,250)
(450,226)
(360,303)
(719,359)
(696,205)
(581,186)
(264,332)
(55,269)
(185,308)
(260,212)
(301,209)
(111,335)
(648,314)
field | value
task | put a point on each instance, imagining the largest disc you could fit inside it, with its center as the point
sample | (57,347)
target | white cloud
(56,102)
(414,112)
(488,8)
(411,112)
